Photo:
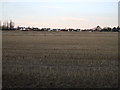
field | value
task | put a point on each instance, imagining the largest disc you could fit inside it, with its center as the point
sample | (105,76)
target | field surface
(33,59)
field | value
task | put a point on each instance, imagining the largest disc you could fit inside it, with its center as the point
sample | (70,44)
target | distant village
(9,25)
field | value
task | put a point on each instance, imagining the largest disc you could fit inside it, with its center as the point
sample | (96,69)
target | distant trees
(108,29)
(98,28)
(7,25)
(11,25)
(116,29)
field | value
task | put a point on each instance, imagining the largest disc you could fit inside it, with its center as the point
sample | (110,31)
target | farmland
(33,59)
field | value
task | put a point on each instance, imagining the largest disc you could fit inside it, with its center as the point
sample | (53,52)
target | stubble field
(34,59)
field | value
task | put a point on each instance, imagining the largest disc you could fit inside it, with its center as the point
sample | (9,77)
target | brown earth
(33,59)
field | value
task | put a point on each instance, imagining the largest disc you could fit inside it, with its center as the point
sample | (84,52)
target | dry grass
(60,59)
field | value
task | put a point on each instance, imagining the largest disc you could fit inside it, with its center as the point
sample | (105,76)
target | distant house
(28,29)
(21,28)
(45,29)
(35,29)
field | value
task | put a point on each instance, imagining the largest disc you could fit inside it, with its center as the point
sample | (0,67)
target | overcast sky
(60,13)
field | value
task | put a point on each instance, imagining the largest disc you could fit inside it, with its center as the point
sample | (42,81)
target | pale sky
(60,13)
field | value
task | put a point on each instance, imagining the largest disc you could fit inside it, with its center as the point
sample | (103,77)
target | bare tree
(8,25)
(4,27)
(11,25)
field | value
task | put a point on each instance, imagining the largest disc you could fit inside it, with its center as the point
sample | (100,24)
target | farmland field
(33,59)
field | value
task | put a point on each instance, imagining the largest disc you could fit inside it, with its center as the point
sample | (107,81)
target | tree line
(9,25)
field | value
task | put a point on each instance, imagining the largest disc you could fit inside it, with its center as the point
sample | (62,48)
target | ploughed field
(33,59)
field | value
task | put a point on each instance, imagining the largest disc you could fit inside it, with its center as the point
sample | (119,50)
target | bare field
(60,59)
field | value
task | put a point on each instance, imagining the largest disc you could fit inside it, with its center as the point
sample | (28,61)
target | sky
(60,13)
